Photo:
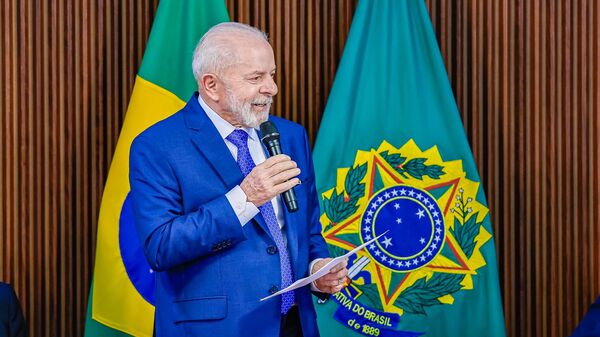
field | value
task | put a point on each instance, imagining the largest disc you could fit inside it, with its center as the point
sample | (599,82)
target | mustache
(262,100)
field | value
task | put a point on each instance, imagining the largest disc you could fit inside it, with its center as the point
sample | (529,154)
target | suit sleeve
(169,236)
(318,247)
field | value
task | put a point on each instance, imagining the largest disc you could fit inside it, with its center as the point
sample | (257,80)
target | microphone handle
(274,148)
(289,197)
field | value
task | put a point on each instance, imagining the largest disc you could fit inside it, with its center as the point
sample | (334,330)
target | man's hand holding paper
(333,281)
(327,272)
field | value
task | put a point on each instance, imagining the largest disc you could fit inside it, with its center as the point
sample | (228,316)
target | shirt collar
(223,126)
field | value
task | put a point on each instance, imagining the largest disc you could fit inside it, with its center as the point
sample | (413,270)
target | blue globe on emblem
(138,270)
(413,224)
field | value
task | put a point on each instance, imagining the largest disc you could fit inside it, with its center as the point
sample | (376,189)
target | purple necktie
(239,138)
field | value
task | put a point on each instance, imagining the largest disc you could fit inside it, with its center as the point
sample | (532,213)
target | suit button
(273,290)
(272,250)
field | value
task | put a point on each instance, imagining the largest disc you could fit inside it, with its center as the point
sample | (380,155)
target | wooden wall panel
(526,79)
(308,38)
(525,76)
(66,73)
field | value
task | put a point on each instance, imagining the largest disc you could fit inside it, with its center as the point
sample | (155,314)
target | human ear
(209,83)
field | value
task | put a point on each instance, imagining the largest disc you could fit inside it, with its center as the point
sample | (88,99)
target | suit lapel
(208,142)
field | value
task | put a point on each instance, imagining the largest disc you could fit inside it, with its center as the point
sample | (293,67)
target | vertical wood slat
(531,114)
(525,75)
(53,115)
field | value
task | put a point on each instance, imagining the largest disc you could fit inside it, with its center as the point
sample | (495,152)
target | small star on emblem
(419,196)
(372,246)
(415,261)
(437,238)
(411,193)
(387,242)
(438,230)
(431,207)
(421,213)
(368,237)
(438,222)
(368,220)
(399,263)
(369,212)
(398,221)
(422,258)
(434,246)
(435,214)
(396,205)
(379,199)
(402,192)
(391,262)
(384,258)
(367,229)
(422,241)
(394,192)
(386,195)
(378,253)
(429,252)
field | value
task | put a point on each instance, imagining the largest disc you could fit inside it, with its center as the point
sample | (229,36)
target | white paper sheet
(324,270)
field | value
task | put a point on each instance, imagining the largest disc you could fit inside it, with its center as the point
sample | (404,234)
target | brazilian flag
(122,293)
(392,160)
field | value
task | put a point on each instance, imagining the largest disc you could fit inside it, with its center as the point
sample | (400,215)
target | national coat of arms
(433,227)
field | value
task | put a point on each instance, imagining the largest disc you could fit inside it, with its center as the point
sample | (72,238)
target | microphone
(270,138)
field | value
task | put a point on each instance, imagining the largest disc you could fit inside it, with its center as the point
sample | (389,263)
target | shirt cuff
(313,286)
(244,210)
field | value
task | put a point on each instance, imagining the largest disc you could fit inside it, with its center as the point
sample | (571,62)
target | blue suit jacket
(12,323)
(590,324)
(211,271)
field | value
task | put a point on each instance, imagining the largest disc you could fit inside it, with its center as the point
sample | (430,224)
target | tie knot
(239,138)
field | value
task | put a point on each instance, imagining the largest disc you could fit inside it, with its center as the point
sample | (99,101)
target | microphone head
(268,132)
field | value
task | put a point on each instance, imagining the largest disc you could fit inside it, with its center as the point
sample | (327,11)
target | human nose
(269,87)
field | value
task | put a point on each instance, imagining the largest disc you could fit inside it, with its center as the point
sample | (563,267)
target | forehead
(252,54)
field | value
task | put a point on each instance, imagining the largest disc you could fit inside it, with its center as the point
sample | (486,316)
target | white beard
(243,109)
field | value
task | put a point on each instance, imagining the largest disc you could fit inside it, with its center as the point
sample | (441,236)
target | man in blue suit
(207,206)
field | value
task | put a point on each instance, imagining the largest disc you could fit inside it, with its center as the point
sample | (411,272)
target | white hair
(214,52)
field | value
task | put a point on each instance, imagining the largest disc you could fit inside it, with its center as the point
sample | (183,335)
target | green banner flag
(392,159)
(122,294)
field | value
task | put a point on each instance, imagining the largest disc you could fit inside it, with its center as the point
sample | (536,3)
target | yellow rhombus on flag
(122,293)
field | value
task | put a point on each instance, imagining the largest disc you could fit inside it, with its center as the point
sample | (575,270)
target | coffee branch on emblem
(415,167)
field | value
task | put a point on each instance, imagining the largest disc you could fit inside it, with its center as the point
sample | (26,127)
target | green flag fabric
(392,161)
(122,294)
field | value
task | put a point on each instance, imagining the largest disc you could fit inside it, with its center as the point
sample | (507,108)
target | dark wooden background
(525,74)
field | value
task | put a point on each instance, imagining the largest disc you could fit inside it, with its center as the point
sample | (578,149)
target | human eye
(254,78)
